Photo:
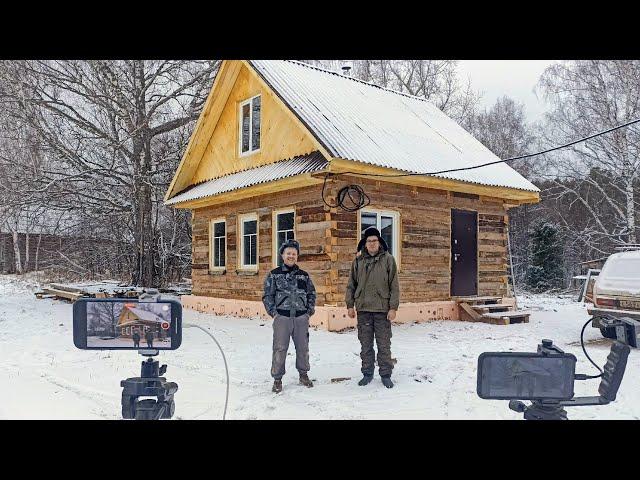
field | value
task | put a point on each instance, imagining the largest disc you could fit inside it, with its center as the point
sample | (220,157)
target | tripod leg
(128,406)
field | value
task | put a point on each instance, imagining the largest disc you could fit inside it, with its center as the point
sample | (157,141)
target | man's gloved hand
(351,312)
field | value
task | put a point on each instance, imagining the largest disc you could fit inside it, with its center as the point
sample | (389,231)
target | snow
(46,377)
(620,275)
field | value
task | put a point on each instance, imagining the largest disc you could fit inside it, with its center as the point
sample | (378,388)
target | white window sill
(247,271)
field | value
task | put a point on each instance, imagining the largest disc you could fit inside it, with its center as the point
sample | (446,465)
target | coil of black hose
(350,198)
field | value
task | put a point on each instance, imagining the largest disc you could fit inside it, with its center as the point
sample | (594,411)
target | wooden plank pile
(103,289)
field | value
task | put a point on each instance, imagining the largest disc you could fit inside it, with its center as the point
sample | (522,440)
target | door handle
(455,257)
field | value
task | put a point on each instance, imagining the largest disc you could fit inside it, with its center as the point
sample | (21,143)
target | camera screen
(526,376)
(129,325)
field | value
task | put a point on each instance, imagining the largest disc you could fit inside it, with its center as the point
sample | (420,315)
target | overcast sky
(514,78)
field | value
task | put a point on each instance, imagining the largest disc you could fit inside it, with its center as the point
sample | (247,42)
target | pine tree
(546,260)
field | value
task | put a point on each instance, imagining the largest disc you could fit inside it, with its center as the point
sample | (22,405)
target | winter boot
(277,386)
(365,380)
(304,380)
(386,381)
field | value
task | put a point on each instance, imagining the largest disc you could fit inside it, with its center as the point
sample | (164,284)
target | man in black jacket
(290,298)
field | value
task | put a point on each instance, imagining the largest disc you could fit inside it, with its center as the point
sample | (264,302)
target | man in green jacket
(374,291)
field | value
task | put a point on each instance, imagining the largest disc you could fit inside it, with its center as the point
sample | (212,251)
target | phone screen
(129,325)
(526,376)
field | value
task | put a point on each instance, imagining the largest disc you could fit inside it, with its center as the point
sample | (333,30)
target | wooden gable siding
(329,238)
(280,137)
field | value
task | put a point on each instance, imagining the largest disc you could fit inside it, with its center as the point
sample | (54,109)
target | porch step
(477,300)
(506,318)
(492,307)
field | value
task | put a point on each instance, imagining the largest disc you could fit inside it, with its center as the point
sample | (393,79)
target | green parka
(373,283)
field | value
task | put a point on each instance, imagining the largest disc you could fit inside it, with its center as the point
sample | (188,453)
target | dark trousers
(285,328)
(136,343)
(375,325)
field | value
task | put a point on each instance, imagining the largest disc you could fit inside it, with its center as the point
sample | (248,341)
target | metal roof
(358,121)
(311,162)
(146,315)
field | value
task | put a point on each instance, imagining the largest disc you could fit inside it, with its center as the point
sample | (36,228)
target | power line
(528,155)
(359,199)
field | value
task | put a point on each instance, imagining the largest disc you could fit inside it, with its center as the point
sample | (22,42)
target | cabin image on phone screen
(277,141)
(132,319)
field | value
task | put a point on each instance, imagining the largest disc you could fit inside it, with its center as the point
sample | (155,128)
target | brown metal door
(464,253)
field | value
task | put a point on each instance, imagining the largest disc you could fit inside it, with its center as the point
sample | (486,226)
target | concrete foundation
(327,317)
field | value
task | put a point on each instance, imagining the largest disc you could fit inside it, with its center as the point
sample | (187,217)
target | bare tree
(110,130)
(598,178)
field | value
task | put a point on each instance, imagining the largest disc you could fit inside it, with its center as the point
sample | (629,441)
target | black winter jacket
(289,292)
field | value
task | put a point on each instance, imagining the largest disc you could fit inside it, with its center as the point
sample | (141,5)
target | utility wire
(528,155)
(359,199)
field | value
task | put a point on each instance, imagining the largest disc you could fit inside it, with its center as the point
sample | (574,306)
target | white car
(616,292)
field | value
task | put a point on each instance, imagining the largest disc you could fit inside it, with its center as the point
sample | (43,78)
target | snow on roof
(311,162)
(358,121)
(145,315)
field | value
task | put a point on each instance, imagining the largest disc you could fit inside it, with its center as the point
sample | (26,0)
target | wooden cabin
(132,319)
(255,172)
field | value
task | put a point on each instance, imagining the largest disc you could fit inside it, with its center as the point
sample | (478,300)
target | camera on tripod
(547,376)
(148,324)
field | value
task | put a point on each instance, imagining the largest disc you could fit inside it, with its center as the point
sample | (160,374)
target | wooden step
(468,313)
(477,300)
(506,318)
(492,307)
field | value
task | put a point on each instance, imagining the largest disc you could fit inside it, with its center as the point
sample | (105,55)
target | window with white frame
(218,244)
(387,222)
(249,117)
(283,230)
(249,241)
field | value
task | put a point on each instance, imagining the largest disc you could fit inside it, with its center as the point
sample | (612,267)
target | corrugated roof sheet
(311,162)
(146,315)
(359,121)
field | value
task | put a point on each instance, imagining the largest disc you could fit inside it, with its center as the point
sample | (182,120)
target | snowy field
(46,377)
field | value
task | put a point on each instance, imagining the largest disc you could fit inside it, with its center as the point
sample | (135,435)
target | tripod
(148,384)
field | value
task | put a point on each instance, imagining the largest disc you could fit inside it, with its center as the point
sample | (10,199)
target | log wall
(329,238)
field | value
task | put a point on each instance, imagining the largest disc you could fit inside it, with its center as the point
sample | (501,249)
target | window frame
(274,232)
(241,219)
(240,105)
(381,212)
(212,238)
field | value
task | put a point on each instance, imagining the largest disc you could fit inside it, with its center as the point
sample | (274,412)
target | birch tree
(599,177)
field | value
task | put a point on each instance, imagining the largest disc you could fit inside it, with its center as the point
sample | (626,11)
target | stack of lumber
(103,289)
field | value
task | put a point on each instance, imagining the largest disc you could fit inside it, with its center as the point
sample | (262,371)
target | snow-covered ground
(46,377)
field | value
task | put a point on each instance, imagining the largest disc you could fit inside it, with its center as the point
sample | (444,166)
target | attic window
(249,125)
